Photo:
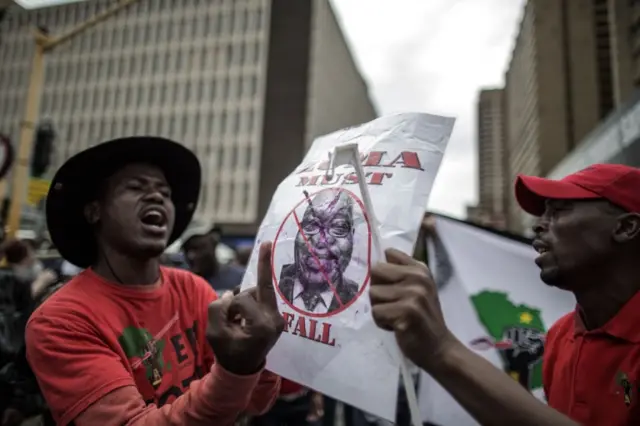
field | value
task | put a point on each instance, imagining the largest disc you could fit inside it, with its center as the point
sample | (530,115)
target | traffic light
(41,157)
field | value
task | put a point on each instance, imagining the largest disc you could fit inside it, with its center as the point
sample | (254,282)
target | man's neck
(602,300)
(125,270)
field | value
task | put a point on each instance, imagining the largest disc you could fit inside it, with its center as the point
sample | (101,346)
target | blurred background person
(200,243)
(243,254)
(23,283)
(27,268)
(295,406)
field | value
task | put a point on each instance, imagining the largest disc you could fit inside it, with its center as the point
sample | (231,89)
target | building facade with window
(245,84)
(492,158)
(558,87)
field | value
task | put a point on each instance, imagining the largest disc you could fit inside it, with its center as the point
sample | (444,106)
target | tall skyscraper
(558,87)
(246,84)
(624,31)
(491,160)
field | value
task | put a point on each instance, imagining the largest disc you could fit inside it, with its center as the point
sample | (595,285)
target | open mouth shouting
(154,220)
(542,248)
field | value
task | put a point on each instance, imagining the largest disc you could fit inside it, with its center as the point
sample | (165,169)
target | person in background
(69,270)
(27,268)
(199,243)
(295,406)
(22,283)
(243,254)
(127,341)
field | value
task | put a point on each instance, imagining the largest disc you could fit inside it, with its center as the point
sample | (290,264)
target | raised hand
(405,300)
(243,328)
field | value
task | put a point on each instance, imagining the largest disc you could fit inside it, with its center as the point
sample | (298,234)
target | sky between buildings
(433,56)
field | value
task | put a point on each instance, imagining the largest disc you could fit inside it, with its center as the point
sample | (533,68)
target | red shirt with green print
(101,349)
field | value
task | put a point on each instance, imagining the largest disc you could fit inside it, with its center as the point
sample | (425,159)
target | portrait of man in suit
(323,248)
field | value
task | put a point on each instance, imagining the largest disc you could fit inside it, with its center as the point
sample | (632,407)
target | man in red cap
(588,238)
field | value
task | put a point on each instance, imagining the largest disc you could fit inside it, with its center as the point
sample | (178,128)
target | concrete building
(624,30)
(246,84)
(558,87)
(491,160)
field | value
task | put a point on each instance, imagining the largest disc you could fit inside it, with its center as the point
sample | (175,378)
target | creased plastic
(323,250)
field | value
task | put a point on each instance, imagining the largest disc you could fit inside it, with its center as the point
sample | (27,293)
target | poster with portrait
(322,229)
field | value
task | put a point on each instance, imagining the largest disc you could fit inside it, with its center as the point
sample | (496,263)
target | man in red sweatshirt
(128,342)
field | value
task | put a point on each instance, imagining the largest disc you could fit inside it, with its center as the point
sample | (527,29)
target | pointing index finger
(266,291)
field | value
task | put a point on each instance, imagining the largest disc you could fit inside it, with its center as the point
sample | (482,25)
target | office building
(491,160)
(557,87)
(624,31)
(246,84)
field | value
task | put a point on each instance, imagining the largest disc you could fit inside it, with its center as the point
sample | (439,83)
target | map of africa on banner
(493,300)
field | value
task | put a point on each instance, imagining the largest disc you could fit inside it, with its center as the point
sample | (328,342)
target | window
(250,120)
(127,96)
(209,125)
(236,123)
(97,94)
(229,54)
(185,125)
(214,92)
(234,156)
(161,94)
(178,60)
(248,151)
(259,19)
(108,65)
(220,158)
(240,54)
(246,197)
(152,95)
(224,88)
(223,122)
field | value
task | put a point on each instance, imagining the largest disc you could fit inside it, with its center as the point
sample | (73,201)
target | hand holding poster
(492,300)
(322,235)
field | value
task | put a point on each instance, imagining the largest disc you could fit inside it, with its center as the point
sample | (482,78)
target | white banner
(493,300)
(323,228)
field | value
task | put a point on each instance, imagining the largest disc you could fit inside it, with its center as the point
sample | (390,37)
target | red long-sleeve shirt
(107,354)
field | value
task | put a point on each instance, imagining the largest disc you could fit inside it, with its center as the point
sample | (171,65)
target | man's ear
(627,228)
(92,213)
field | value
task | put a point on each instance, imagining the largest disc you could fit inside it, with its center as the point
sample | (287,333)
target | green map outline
(497,312)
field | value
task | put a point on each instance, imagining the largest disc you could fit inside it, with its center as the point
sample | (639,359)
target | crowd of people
(124,339)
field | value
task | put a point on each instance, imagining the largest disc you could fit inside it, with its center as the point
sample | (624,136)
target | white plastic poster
(321,228)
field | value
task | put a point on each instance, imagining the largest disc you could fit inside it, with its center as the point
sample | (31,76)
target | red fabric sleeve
(268,388)
(74,367)
(217,399)
(265,393)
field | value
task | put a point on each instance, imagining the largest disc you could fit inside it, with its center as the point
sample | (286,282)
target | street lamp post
(43,43)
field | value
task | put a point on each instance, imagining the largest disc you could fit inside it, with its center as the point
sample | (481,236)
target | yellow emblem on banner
(38,189)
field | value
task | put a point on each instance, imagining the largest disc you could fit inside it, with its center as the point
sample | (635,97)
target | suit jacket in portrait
(347,289)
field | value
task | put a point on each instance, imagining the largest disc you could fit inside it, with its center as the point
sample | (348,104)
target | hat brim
(532,192)
(77,182)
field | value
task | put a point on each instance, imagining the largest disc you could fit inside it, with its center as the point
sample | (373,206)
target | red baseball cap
(616,183)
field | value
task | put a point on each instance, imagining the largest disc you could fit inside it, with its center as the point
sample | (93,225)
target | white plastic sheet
(322,234)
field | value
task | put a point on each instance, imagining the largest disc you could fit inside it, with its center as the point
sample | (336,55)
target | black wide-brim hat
(78,181)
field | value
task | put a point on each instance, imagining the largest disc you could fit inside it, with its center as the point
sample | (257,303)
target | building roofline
(352,56)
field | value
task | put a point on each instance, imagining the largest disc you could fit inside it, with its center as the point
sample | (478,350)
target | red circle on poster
(292,215)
